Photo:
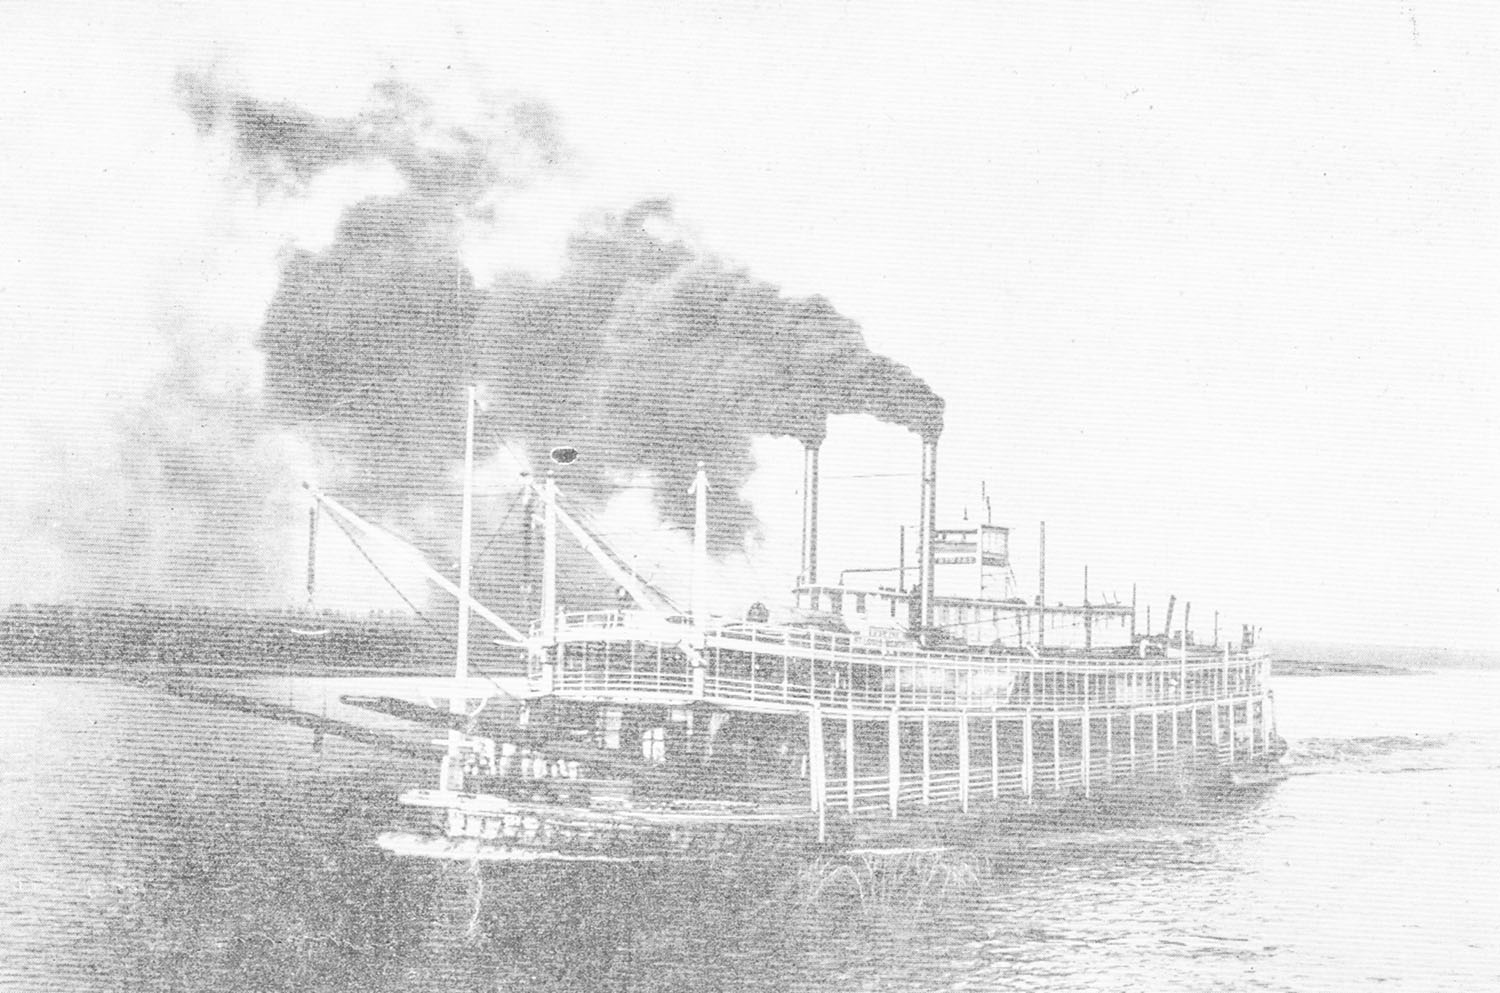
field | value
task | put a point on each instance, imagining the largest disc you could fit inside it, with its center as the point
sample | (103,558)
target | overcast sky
(1210,288)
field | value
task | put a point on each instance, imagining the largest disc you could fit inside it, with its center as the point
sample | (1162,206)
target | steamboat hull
(633,746)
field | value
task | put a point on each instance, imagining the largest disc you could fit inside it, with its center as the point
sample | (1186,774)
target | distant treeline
(138,637)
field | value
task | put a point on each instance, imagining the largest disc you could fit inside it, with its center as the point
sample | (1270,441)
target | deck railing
(792,669)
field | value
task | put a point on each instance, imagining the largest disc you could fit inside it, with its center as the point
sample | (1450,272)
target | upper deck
(615,656)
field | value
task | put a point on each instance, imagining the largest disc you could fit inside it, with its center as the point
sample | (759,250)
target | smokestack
(901,562)
(926,539)
(809,515)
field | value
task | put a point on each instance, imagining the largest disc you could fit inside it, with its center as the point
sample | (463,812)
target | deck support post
(963,763)
(849,756)
(1155,740)
(1028,761)
(994,758)
(1109,746)
(893,753)
(1249,727)
(1231,730)
(1056,753)
(1213,722)
(1086,749)
(1265,722)
(926,759)
(817,770)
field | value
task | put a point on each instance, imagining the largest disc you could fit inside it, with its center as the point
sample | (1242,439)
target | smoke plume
(645,354)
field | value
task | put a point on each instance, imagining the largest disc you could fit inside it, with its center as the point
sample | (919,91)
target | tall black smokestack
(926,539)
(809,515)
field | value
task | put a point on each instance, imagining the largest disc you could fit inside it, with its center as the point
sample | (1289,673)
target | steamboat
(872,712)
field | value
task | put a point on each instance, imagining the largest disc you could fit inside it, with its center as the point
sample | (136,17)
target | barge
(869,713)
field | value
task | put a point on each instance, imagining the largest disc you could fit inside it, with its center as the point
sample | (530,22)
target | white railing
(913,680)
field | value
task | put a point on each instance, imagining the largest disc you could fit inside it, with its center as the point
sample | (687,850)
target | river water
(149,842)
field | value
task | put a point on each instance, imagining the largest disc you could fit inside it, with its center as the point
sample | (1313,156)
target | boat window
(835,601)
(859,603)
(611,721)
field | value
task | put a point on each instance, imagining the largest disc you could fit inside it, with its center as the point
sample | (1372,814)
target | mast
(549,561)
(451,775)
(699,596)
(1041,591)
(465,542)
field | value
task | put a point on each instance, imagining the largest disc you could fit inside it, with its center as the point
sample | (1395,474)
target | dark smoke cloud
(644,353)
(283,145)
(649,356)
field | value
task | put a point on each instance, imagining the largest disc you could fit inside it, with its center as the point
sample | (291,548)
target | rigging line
(441,633)
(500,528)
(391,583)
(520,457)
(420,615)
(587,520)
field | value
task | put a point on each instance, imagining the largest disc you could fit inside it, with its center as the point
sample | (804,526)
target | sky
(1207,288)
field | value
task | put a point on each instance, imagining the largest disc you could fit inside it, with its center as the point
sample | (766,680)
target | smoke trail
(192,493)
(645,354)
(507,146)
